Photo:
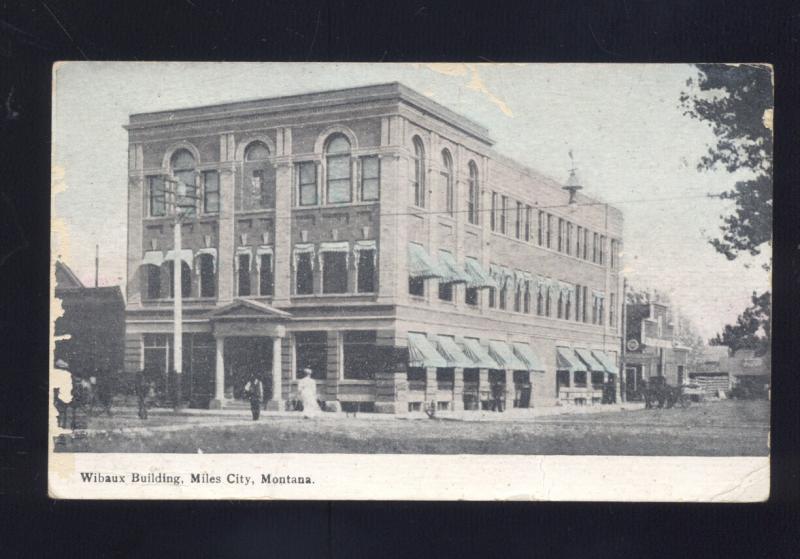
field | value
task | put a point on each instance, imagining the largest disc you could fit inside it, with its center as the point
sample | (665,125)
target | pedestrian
(307,391)
(254,391)
(143,388)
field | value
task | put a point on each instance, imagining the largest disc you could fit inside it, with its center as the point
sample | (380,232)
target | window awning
(586,356)
(420,263)
(421,353)
(335,246)
(212,252)
(240,251)
(598,294)
(528,356)
(260,251)
(452,353)
(303,248)
(567,360)
(361,246)
(603,358)
(153,258)
(501,275)
(451,273)
(480,358)
(501,352)
(186,256)
(478,277)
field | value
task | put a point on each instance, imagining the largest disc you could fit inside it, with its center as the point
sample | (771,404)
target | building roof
(66,278)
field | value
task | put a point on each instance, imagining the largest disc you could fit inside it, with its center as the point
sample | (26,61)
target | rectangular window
(158,201)
(445,291)
(528,216)
(569,238)
(307,183)
(578,303)
(492,297)
(503,295)
(153,282)
(186,280)
(157,354)
(208,287)
(611,309)
(560,235)
(493,215)
(539,302)
(549,230)
(613,255)
(366,272)
(585,300)
(541,228)
(244,274)
(265,276)
(416,286)
(601,311)
(526,306)
(334,272)
(471,296)
(311,352)
(339,179)
(188,201)
(370,178)
(518,298)
(594,248)
(602,250)
(360,354)
(210,192)
(503,214)
(578,237)
(304,275)
(585,244)
(518,222)
(594,310)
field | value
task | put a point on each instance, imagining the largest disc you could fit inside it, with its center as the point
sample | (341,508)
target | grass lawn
(726,428)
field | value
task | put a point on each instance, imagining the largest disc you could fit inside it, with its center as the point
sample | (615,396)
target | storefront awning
(421,353)
(186,256)
(480,358)
(607,363)
(478,277)
(153,258)
(501,352)
(527,355)
(586,356)
(420,263)
(452,353)
(451,272)
(566,360)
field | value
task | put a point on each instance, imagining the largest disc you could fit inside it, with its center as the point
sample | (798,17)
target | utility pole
(622,370)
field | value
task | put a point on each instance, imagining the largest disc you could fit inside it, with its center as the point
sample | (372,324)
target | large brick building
(375,237)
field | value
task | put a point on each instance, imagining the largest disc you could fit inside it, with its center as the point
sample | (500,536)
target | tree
(736,101)
(752,329)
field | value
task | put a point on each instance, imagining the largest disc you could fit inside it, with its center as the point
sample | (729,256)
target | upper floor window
(578,241)
(418,177)
(594,247)
(243,274)
(208,276)
(153,281)
(365,271)
(182,165)
(518,221)
(472,194)
(304,274)
(259,172)
(156,195)
(307,183)
(549,230)
(447,182)
(585,244)
(568,232)
(493,215)
(601,259)
(613,254)
(503,214)
(370,178)
(526,305)
(210,192)
(334,272)
(339,169)
(186,279)
(560,235)
(266,277)
(612,307)
(540,238)
(528,217)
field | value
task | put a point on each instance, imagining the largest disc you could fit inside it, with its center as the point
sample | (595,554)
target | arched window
(182,167)
(418,176)
(337,158)
(447,181)
(259,177)
(472,194)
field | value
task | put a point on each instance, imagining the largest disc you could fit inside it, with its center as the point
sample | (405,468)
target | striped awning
(566,360)
(420,263)
(421,353)
(153,258)
(480,357)
(528,356)
(452,353)
(501,352)
(478,277)
(452,273)
(586,356)
(603,358)
(186,256)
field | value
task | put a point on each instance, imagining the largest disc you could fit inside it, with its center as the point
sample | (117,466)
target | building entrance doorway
(244,356)
(633,381)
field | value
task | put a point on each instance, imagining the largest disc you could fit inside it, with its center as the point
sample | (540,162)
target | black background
(35,34)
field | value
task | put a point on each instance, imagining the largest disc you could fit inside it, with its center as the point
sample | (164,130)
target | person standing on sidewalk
(254,390)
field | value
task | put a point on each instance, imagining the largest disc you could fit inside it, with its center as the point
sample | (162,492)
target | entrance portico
(248,319)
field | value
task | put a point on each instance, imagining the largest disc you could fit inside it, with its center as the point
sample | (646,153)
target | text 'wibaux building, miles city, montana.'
(375,237)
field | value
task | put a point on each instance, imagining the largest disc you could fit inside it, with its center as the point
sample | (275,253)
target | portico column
(219,375)
(276,403)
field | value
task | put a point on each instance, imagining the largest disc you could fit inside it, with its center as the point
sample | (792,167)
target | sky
(632,144)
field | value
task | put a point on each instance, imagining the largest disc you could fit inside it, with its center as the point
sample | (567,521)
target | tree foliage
(736,102)
(752,329)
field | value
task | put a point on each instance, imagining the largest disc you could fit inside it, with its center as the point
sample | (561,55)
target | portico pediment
(243,308)
(248,318)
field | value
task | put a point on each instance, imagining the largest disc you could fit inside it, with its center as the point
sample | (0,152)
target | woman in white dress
(307,391)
